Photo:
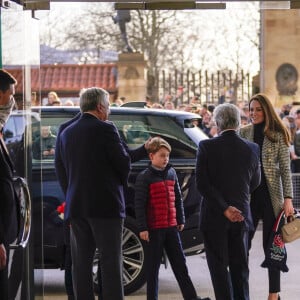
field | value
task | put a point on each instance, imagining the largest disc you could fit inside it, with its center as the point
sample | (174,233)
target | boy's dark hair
(6,80)
(157,143)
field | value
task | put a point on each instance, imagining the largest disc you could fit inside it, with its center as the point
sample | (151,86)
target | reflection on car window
(136,133)
(44,138)
(9,130)
(136,129)
(14,128)
(43,146)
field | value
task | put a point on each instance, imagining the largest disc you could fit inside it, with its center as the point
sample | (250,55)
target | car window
(15,127)
(9,130)
(136,129)
(43,145)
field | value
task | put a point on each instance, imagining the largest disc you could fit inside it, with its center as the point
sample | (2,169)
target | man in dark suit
(8,217)
(227,171)
(96,167)
(135,155)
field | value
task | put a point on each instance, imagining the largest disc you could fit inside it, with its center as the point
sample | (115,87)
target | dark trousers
(168,239)
(261,208)
(106,235)
(4,278)
(68,260)
(68,266)
(227,258)
(68,271)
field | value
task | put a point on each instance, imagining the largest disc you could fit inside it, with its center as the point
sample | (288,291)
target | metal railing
(210,87)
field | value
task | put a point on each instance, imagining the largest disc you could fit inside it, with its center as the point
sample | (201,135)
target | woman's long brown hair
(273,123)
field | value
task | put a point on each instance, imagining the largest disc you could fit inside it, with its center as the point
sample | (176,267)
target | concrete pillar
(280,64)
(132,71)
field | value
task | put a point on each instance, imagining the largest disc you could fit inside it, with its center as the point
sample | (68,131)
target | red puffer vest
(161,211)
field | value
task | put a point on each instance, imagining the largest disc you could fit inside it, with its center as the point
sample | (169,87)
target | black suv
(135,126)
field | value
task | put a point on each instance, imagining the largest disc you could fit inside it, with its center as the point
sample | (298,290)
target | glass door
(20,56)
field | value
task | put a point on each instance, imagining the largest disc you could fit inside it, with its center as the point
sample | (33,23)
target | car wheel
(134,263)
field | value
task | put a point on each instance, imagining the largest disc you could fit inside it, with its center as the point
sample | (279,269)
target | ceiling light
(129,5)
(169,5)
(211,5)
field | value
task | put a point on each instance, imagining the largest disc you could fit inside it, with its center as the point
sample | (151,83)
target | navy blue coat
(95,167)
(227,172)
(135,154)
(58,161)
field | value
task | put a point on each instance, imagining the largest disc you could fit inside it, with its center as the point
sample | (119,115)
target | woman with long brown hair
(275,191)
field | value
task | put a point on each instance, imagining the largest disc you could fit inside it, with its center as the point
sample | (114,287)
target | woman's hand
(288,207)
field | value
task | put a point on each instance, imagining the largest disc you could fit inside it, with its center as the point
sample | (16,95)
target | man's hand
(146,145)
(49,152)
(180,227)
(233,214)
(2,257)
(144,235)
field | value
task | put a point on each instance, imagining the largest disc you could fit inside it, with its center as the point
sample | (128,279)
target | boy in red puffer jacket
(160,217)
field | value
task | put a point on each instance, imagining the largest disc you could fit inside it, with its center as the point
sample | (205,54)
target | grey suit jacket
(276,166)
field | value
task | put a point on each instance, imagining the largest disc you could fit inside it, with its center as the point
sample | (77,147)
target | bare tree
(149,32)
(172,40)
(52,33)
(93,28)
(152,33)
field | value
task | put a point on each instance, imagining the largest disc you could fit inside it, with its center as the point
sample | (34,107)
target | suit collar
(89,114)
(227,132)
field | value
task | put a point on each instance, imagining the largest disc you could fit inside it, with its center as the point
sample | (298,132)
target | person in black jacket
(160,217)
(8,219)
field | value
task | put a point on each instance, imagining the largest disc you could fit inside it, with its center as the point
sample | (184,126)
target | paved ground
(54,288)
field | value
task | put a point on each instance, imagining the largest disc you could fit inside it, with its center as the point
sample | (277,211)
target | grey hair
(227,116)
(91,97)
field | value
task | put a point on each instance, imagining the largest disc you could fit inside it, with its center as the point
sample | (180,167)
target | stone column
(280,63)
(132,83)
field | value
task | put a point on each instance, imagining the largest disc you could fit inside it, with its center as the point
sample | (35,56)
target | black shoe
(199,298)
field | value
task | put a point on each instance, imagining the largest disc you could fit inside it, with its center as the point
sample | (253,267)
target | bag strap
(277,222)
